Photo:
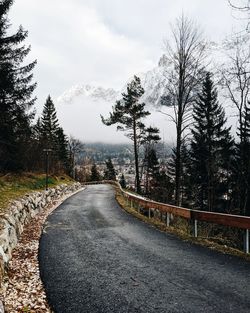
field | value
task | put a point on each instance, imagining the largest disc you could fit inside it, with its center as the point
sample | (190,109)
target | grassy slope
(13,186)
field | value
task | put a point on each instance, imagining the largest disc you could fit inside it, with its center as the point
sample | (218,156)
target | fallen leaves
(25,292)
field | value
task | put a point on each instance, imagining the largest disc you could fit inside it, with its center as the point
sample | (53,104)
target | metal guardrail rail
(238,221)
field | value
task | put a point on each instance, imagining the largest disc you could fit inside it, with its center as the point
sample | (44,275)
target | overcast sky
(104,42)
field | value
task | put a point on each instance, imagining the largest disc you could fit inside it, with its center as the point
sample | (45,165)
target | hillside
(13,186)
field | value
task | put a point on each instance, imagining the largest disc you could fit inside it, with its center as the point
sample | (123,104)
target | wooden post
(195,228)
(246,241)
(168,219)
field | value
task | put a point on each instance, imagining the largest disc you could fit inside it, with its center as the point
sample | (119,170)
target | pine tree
(183,173)
(35,157)
(95,175)
(152,169)
(49,124)
(52,137)
(62,150)
(162,187)
(109,173)
(150,138)
(123,182)
(37,130)
(211,149)
(15,94)
(128,114)
(241,169)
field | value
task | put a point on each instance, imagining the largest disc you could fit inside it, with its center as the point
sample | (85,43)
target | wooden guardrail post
(127,201)
(195,228)
(194,224)
(168,219)
(246,241)
(149,213)
(138,208)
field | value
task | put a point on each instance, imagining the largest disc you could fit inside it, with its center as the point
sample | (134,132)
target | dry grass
(182,229)
(13,186)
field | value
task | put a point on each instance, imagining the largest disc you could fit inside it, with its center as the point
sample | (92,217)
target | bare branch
(186,54)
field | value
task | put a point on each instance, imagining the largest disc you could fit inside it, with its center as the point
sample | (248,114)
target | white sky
(105,42)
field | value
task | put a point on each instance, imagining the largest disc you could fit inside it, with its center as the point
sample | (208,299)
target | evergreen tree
(95,175)
(211,149)
(37,130)
(150,138)
(35,156)
(128,114)
(152,169)
(62,149)
(109,173)
(15,94)
(49,124)
(123,182)
(52,137)
(241,168)
(183,173)
(162,187)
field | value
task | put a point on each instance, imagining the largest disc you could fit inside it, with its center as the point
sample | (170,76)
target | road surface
(94,258)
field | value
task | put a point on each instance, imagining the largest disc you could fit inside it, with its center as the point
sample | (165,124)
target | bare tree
(241,5)
(243,8)
(186,53)
(75,147)
(236,79)
(235,73)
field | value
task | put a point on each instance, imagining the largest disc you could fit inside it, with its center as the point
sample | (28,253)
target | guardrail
(237,221)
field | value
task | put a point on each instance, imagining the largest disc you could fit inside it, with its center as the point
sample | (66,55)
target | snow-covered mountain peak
(153,82)
(94,92)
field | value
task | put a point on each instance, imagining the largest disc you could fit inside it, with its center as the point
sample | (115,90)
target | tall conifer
(211,148)
(16,91)
(109,173)
(62,150)
(49,124)
(128,114)
(241,167)
(95,174)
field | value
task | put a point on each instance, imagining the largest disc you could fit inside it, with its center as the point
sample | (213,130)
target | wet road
(94,257)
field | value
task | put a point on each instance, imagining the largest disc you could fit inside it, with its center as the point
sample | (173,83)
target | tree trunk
(137,177)
(178,167)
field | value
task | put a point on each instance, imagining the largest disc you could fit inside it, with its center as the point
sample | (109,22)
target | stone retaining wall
(20,213)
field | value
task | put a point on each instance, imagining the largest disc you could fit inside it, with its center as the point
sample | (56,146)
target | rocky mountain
(96,93)
(80,107)
(153,82)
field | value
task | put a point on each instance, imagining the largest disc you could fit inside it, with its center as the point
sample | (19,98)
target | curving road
(94,257)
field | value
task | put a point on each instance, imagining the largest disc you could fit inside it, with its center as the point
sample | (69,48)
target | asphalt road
(94,257)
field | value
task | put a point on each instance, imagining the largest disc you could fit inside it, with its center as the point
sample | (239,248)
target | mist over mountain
(96,93)
(79,108)
(153,82)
